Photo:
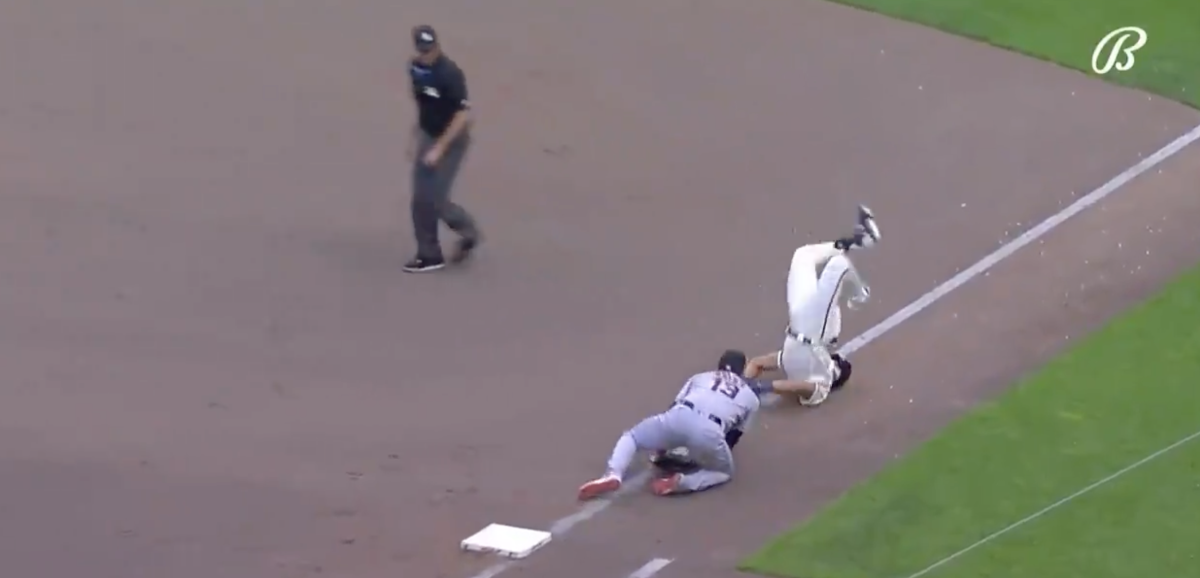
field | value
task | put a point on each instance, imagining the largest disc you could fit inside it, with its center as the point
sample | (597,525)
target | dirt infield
(215,368)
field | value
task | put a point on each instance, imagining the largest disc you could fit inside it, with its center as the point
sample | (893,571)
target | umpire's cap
(425,38)
(733,360)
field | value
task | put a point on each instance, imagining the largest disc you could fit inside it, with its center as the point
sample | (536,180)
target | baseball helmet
(732,360)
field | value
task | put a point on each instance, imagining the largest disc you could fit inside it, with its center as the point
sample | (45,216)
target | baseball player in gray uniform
(820,278)
(706,409)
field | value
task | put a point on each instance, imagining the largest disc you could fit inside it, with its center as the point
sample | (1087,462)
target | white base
(507,541)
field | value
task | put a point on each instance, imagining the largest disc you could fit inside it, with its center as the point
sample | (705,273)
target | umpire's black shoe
(466,246)
(423,265)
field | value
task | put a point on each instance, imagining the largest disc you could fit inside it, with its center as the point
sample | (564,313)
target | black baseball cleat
(867,227)
(423,265)
(466,246)
(866,232)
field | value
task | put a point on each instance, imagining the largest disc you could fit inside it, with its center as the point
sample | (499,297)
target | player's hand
(860,299)
(432,156)
(753,370)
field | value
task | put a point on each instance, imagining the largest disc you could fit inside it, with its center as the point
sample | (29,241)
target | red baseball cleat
(600,486)
(666,486)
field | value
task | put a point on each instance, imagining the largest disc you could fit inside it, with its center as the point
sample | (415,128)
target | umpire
(442,138)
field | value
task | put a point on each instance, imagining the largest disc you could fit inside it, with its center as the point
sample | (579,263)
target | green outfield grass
(1066,31)
(1125,392)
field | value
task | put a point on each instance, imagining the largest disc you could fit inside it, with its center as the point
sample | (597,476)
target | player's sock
(847,243)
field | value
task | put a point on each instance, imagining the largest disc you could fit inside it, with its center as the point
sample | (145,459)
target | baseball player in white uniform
(821,278)
(709,406)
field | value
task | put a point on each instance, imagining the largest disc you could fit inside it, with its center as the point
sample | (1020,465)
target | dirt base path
(215,367)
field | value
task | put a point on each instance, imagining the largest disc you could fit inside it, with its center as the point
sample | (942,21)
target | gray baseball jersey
(721,394)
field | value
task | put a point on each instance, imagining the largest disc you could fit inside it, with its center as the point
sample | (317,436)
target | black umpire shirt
(440,91)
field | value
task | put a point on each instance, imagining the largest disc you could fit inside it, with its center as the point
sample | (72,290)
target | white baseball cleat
(599,486)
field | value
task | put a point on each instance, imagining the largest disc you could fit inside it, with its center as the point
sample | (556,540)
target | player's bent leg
(649,434)
(718,470)
(814,256)
(802,282)
(697,481)
(823,372)
(810,371)
(679,460)
(817,395)
(618,463)
(622,454)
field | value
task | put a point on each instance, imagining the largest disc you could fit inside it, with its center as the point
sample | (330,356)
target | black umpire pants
(431,203)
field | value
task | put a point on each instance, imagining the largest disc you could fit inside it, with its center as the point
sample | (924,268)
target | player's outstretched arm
(762,363)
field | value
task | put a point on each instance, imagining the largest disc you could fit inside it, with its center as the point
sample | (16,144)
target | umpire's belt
(710,416)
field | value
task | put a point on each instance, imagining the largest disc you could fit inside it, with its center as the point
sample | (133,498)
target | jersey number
(729,389)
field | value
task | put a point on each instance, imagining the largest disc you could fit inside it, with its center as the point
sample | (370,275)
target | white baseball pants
(816,279)
(678,427)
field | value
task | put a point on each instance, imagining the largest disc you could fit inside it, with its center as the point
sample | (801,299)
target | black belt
(710,416)
(804,339)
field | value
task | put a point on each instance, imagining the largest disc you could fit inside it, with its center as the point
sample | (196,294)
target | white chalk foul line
(560,527)
(1055,505)
(650,568)
(1005,251)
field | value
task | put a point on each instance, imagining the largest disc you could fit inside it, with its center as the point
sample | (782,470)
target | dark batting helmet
(732,360)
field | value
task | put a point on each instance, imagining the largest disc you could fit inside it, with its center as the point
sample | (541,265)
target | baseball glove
(666,464)
(679,462)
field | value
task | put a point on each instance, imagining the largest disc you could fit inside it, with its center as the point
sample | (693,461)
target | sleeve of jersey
(687,388)
(457,90)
